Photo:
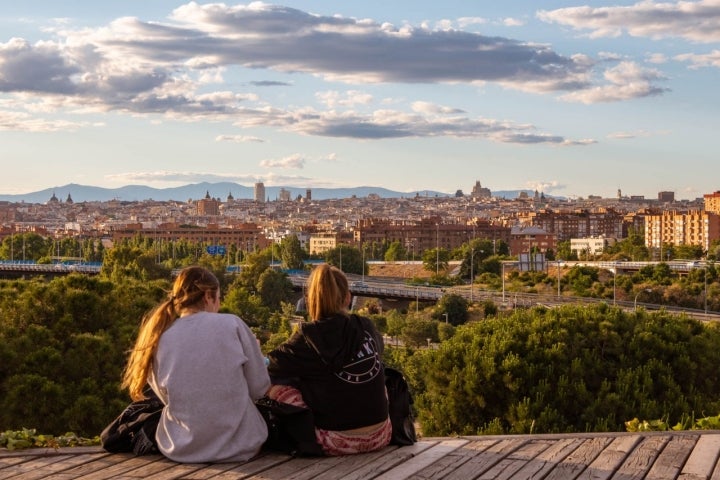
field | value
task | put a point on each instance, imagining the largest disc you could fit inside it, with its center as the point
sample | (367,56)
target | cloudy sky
(570,98)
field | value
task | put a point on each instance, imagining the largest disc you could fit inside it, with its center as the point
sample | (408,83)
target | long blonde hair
(328,290)
(188,291)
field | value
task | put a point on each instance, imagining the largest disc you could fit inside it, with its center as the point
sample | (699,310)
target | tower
(259,192)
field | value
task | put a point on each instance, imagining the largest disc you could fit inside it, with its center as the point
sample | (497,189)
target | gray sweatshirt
(208,370)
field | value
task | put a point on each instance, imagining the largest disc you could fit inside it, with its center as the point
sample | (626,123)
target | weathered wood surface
(617,456)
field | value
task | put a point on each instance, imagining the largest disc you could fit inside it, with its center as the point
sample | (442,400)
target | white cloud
(293,161)
(656,58)
(513,22)
(238,139)
(544,186)
(333,99)
(697,21)
(711,59)
(623,82)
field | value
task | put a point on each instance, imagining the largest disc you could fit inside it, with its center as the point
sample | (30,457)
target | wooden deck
(620,456)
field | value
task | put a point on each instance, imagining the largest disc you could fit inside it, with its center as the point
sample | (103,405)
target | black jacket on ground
(336,363)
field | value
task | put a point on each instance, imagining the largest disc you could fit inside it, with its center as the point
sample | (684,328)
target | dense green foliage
(62,349)
(571,369)
(63,345)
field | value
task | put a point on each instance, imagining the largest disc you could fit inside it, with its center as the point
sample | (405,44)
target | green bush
(63,345)
(571,369)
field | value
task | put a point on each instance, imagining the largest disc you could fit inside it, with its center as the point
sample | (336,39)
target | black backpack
(134,429)
(400,402)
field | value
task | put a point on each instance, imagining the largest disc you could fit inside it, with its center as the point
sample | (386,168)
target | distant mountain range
(131,193)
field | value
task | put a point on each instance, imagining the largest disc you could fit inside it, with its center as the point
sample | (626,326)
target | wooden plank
(703,458)
(577,461)
(353,463)
(21,468)
(485,458)
(286,469)
(171,472)
(417,463)
(6,462)
(672,458)
(228,471)
(546,460)
(452,461)
(641,459)
(610,459)
(380,462)
(41,472)
(111,466)
(507,467)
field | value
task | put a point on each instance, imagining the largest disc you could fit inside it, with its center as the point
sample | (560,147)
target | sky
(569,98)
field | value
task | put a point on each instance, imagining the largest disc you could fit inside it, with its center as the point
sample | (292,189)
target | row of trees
(63,346)
(30,246)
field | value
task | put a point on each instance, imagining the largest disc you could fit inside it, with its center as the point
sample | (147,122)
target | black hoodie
(337,364)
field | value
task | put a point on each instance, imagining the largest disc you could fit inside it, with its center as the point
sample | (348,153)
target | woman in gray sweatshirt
(207,369)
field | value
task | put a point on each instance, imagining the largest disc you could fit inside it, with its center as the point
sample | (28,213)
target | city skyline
(568,98)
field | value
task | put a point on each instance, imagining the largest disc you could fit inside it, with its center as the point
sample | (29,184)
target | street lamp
(614,272)
(647,290)
(437,249)
(558,277)
(705,281)
(503,282)
(472,271)
(417,299)
(363,263)
(446,317)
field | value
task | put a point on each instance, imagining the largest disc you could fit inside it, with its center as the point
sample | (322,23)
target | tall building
(259,192)
(479,191)
(208,206)
(712,202)
(666,197)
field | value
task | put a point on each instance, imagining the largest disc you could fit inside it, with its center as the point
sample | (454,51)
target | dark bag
(291,429)
(400,401)
(134,429)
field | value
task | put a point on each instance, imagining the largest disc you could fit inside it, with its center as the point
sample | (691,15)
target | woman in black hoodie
(333,364)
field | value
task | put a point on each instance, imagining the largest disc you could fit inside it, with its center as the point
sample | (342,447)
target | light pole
(363,264)
(446,317)
(417,299)
(558,277)
(472,271)
(647,290)
(503,282)
(437,249)
(705,281)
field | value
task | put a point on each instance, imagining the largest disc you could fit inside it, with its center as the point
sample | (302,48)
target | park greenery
(474,367)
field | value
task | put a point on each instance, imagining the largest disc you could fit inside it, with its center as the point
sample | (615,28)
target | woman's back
(207,370)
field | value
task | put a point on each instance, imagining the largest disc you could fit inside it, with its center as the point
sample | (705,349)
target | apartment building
(427,233)
(577,224)
(673,227)
(246,237)
(525,239)
(712,202)
(589,247)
